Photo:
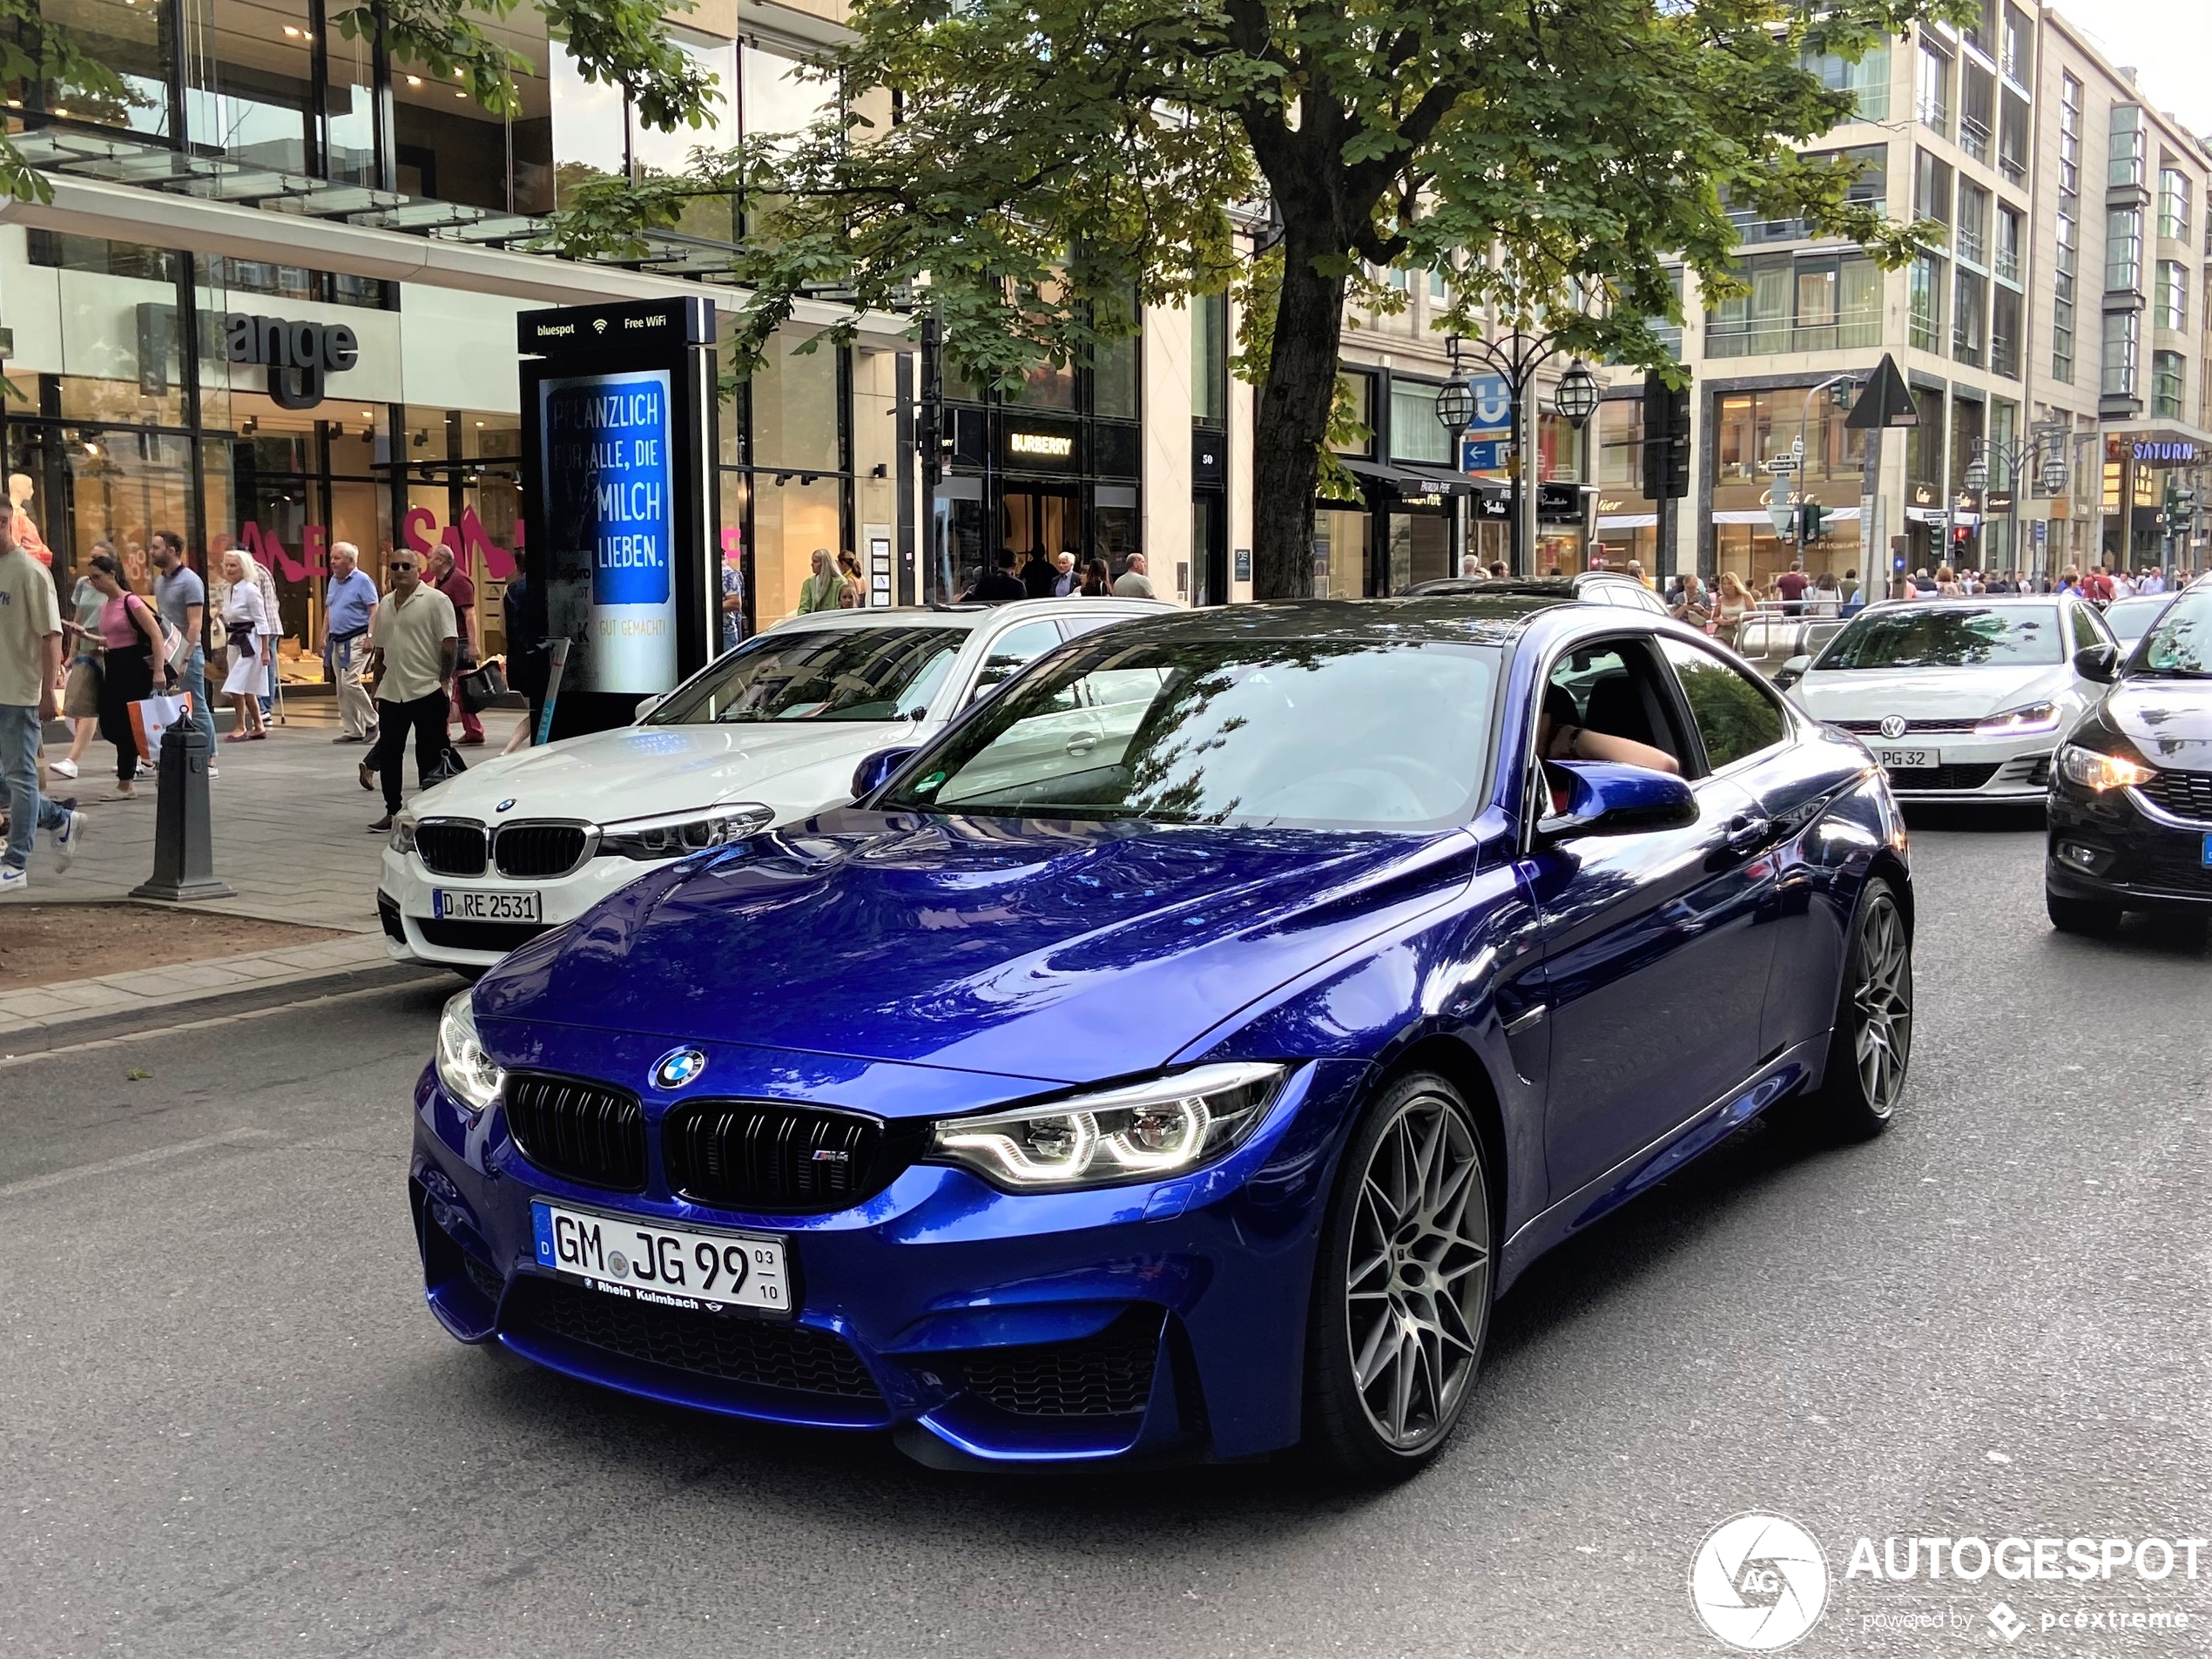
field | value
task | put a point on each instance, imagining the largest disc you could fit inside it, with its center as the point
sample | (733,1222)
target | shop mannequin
(27,536)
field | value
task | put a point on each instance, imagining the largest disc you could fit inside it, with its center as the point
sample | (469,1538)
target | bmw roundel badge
(504,805)
(679,1066)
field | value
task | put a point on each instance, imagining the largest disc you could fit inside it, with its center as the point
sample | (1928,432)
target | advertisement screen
(611,527)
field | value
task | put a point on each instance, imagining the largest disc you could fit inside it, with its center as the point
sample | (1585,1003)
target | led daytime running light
(464,1069)
(2020,723)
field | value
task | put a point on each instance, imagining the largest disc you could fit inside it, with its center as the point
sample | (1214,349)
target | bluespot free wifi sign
(607,442)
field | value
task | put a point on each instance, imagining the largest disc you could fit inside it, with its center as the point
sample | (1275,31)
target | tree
(1048,165)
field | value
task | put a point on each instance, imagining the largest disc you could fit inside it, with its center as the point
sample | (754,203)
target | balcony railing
(1973,139)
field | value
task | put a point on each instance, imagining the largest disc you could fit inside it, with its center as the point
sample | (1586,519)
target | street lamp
(1576,397)
(1515,359)
(1455,409)
(1978,473)
(2054,476)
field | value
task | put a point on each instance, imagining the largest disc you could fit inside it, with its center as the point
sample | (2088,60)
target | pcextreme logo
(1758,1582)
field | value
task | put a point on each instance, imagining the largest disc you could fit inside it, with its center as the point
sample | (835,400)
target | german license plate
(1906,760)
(681,1267)
(449,905)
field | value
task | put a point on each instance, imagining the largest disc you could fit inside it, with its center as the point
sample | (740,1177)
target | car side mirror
(1791,671)
(2098,663)
(875,771)
(1606,798)
(645,706)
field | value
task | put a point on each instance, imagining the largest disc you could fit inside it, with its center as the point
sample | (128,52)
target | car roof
(1978,602)
(969,617)
(1556,587)
(1492,619)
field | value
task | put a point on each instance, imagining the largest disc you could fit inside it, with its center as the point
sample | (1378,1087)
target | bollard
(183,861)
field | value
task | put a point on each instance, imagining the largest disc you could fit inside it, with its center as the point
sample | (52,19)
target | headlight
(681,833)
(402,835)
(2020,723)
(463,1068)
(2093,769)
(1140,1132)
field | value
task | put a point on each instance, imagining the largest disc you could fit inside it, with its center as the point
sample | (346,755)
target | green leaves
(440,37)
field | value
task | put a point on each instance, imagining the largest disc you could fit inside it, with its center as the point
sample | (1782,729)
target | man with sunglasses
(413,644)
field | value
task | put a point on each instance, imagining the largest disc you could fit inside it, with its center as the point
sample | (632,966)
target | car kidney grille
(1107,1375)
(1941,778)
(582,1131)
(794,1356)
(452,848)
(538,850)
(2188,794)
(758,1154)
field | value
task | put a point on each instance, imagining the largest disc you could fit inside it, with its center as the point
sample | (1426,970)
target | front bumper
(412,931)
(2119,847)
(1160,1319)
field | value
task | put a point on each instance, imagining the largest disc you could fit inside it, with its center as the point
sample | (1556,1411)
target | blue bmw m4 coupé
(1179,1055)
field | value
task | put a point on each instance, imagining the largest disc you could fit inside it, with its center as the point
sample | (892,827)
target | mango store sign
(420,531)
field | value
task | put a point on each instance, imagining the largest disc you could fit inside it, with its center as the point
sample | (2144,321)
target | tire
(1410,1247)
(1871,1049)
(2081,915)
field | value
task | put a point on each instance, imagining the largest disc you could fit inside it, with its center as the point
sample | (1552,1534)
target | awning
(1406,481)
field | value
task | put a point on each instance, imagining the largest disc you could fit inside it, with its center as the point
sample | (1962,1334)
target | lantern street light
(1515,359)
(2054,476)
(1455,409)
(1576,396)
(1978,473)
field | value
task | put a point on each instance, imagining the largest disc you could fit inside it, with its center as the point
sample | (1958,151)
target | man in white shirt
(415,642)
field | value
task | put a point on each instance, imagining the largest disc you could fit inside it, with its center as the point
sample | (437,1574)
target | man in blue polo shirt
(348,601)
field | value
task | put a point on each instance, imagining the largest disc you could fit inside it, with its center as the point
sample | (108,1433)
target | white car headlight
(2020,723)
(2093,769)
(678,833)
(1141,1131)
(464,1067)
(402,839)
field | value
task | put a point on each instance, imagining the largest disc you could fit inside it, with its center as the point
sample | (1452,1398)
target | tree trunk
(1293,420)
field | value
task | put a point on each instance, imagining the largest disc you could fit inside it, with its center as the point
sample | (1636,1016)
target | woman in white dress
(245,620)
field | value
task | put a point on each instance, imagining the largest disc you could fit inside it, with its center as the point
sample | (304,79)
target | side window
(2089,629)
(1612,691)
(1076,627)
(1013,649)
(1735,715)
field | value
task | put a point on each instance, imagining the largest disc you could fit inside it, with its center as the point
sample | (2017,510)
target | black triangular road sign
(1884,402)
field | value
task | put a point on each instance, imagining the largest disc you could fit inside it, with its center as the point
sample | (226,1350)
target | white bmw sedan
(768,733)
(1959,699)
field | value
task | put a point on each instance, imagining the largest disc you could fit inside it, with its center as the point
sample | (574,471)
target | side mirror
(1791,671)
(1603,799)
(874,771)
(645,706)
(2098,663)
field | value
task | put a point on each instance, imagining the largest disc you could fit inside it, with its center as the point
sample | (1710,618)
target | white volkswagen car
(767,734)
(1959,699)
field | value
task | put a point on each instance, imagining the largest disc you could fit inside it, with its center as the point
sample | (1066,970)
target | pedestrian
(825,589)
(1827,596)
(132,662)
(30,665)
(1134,584)
(1692,603)
(181,597)
(1848,588)
(1037,575)
(732,605)
(1068,581)
(2154,582)
(348,601)
(453,582)
(851,595)
(414,648)
(81,689)
(530,665)
(1791,587)
(1470,567)
(1096,582)
(1736,602)
(1636,570)
(1498,570)
(245,624)
(999,585)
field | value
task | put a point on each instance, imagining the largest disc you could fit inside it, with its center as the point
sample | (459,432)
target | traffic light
(1808,516)
(1666,439)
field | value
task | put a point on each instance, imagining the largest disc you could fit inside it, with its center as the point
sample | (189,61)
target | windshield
(1375,734)
(2181,646)
(820,674)
(1948,636)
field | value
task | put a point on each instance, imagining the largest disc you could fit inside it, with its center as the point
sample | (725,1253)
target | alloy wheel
(1883,1004)
(1417,1273)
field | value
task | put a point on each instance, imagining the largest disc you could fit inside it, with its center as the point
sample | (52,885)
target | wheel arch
(1463,1068)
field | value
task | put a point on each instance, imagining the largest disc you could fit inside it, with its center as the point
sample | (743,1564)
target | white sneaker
(14,881)
(71,838)
(62,768)
(211,773)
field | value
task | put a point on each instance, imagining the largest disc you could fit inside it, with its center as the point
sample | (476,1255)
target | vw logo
(1892,725)
(504,805)
(679,1066)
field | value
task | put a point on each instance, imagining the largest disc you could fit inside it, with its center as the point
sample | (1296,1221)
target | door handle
(1747,832)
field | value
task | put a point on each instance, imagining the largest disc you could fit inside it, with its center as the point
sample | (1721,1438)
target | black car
(2131,793)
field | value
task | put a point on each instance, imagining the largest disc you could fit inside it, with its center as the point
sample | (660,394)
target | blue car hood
(1063,952)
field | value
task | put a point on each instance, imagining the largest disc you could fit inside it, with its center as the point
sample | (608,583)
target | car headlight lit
(464,1067)
(402,835)
(1138,1132)
(2093,769)
(2020,723)
(679,834)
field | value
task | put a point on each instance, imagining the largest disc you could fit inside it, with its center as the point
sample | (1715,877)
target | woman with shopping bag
(246,623)
(135,658)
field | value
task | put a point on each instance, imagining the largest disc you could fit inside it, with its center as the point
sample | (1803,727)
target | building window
(1209,359)
(1932,102)
(2062,302)
(1415,433)
(1972,241)
(2123,250)
(1977,111)
(2166,383)
(1969,317)
(1930,188)
(1924,291)
(2125,164)
(2005,332)
(1867,81)
(2174,205)
(2013,140)
(2018,60)
(2170,296)
(2120,339)
(2069,135)
(1821,302)
(2006,263)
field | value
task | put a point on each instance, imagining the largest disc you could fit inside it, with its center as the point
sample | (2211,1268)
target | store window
(712,217)
(1415,433)
(782,95)
(794,405)
(251,94)
(131,40)
(1356,395)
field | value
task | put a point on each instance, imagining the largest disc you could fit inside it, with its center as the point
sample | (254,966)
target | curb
(35,1035)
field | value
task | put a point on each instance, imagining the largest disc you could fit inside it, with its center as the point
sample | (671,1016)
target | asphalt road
(227,1426)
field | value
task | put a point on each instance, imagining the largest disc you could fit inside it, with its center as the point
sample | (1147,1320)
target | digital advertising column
(618,414)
